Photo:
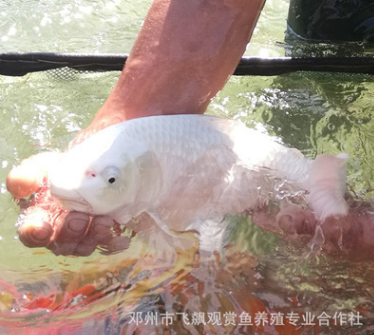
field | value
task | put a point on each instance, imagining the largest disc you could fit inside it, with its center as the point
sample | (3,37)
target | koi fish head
(97,176)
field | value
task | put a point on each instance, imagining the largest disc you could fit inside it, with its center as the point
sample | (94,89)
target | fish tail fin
(327,186)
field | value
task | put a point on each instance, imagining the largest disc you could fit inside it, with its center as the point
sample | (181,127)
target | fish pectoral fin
(177,239)
(164,227)
(327,185)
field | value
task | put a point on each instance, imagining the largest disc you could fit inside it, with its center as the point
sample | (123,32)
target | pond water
(257,275)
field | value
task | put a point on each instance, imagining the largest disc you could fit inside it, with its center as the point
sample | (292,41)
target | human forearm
(184,54)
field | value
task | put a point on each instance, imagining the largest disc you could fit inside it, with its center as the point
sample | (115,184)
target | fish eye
(111,174)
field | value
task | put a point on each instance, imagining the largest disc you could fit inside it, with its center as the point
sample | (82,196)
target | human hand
(351,236)
(45,223)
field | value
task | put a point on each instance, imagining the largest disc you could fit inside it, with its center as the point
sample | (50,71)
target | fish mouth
(64,185)
(80,205)
(70,199)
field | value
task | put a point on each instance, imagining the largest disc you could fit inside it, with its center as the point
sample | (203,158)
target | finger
(118,243)
(357,236)
(85,248)
(295,220)
(24,180)
(36,229)
(115,244)
(70,229)
(266,220)
(100,229)
(99,232)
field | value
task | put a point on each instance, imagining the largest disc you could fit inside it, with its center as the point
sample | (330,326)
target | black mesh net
(68,66)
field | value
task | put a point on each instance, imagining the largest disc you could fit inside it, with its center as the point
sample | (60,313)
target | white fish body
(186,168)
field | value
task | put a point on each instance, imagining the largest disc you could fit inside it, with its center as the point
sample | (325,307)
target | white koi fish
(185,168)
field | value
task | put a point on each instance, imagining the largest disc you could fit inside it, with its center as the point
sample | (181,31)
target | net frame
(20,64)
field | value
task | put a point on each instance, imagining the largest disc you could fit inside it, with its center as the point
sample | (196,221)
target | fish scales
(184,168)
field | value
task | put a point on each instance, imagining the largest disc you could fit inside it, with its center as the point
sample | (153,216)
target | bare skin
(184,54)
(350,237)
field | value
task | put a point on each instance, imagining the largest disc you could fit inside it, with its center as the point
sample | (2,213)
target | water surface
(257,273)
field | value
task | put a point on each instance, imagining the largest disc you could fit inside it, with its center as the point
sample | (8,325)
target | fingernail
(77,225)
(41,233)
